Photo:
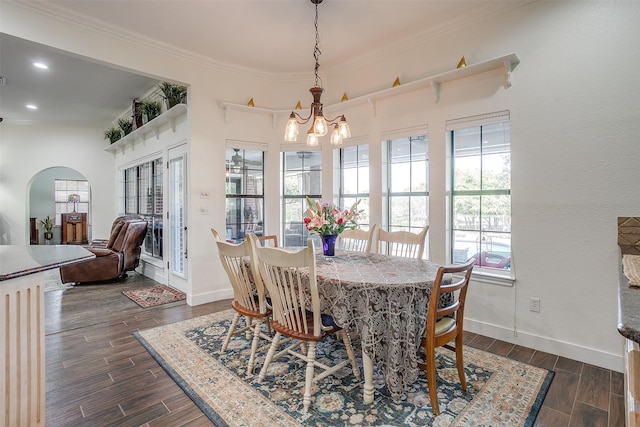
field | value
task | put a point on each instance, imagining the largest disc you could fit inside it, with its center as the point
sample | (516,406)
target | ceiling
(272,38)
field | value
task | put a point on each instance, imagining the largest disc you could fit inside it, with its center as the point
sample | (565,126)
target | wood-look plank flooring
(97,374)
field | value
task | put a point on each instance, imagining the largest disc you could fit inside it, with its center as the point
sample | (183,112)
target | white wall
(42,200)
(145,146)
(574,109)
(26,150)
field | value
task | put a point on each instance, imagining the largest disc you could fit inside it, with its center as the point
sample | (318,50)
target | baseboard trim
(592,356)
(152,271)
(211,296)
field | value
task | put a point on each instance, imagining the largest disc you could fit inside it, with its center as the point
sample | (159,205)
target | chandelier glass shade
(319,123)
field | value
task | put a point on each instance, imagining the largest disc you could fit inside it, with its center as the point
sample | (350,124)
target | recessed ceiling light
(41,65)
(32,107)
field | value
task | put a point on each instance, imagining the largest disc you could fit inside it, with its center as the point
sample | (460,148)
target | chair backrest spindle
(357,240)
(240,265)
(402,243)
(286,274)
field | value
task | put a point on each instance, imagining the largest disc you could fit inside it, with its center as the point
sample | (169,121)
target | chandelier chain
(319,123)
(316,50)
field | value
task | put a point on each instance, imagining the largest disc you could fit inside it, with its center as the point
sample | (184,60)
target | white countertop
(17,261)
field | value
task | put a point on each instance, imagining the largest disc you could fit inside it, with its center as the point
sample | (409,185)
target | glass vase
(329,244)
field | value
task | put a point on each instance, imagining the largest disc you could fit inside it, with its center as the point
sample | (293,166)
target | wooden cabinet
(632,383)
(33,232)
(74,228)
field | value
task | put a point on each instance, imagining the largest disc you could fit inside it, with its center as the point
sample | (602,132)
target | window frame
(132,194)
(61,197)
(245,223)
(286,227)
(414,227)
(365,218)
(488,274)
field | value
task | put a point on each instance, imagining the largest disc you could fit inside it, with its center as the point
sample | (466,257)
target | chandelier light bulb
(336,139)
(320,127)
(345,131)
(312,138)
(291,131)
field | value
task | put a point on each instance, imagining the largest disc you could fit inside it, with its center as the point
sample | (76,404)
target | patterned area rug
(500,392)
(155,295)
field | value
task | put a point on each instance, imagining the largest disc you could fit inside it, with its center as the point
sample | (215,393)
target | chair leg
(249,321)
(352,357)
(232,329)
(254,346)
(460,362)
(270,353)
(308,384)
(430,356)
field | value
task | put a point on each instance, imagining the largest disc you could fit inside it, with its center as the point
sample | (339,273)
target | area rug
(155,295)
(500,391)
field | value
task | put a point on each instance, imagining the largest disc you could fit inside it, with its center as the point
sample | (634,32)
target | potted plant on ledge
(173,94)
(126,125)
(151,109)
(113,134)
(47,224)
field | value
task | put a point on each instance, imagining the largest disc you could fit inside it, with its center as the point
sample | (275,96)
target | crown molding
(72,17)
(491,9)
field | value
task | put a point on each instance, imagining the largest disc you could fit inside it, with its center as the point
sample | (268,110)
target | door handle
(186,241)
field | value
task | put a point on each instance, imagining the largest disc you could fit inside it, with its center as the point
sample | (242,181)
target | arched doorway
(48,199)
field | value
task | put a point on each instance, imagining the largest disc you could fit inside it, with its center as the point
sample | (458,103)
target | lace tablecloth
(384,300)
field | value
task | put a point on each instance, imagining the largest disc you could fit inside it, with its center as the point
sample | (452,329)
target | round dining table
(382,299)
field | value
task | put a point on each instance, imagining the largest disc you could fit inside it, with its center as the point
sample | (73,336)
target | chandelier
(320,124)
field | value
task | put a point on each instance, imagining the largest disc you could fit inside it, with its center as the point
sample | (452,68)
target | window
(481,194)
(245,193)
(408,184)
(354,180)
(143,195)
(63,189)
(301,177)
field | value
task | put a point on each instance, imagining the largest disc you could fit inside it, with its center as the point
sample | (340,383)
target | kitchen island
(22,353)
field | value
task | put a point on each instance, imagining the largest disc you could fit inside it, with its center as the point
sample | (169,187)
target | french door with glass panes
(177,218)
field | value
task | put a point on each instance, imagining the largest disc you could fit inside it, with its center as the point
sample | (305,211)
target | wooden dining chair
(248,293)
(356,239)
(264,240)
(402,243)
(445,318)
(296,316)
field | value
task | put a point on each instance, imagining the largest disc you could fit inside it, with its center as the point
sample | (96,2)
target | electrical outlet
(534,305)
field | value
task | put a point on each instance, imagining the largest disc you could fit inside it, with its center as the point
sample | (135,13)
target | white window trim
(478,120)
(494,277)
(483,276)
(404,132)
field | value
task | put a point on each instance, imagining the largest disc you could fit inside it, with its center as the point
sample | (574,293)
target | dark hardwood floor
(97,374)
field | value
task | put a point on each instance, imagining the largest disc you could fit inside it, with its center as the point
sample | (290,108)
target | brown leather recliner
(117,225)
(121,254)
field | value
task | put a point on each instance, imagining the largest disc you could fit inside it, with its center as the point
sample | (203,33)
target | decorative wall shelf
(507,63)
(151,127)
